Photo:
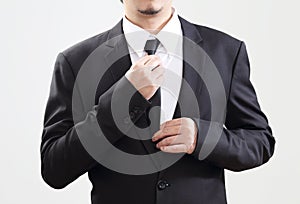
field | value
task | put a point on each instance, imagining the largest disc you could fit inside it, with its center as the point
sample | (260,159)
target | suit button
(162,184)
(132,115)
(136,109)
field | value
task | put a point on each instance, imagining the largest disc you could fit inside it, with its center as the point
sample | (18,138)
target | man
(188,143)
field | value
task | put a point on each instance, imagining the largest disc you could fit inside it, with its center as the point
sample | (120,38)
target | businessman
(175,94)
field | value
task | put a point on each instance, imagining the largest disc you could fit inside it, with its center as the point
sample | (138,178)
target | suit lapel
(118,58)
(191,81)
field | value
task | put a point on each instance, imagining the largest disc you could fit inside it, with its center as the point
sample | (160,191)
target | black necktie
(151,47)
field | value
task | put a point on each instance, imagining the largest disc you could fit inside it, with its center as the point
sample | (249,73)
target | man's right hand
(146,75)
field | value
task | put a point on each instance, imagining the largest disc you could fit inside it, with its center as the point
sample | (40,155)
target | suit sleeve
(246,141)
(63,156)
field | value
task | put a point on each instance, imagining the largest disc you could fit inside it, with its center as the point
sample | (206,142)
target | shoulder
(214,41)
(78,53)
(81,50)
(222,48)
(211,34)
(219,44)
(217,40)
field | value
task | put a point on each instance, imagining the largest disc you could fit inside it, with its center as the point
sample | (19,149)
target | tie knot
(151,46)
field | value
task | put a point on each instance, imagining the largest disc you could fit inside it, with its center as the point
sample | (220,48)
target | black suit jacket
(246,139)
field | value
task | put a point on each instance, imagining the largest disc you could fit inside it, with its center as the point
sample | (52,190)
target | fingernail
(155,134)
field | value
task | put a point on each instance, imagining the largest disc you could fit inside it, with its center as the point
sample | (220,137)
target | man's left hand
(177,136)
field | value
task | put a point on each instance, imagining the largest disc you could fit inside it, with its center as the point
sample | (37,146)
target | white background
(33,32)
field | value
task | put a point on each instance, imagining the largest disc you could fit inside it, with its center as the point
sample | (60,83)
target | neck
(152,23)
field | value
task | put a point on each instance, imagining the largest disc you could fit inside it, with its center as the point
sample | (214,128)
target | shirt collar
(169,36)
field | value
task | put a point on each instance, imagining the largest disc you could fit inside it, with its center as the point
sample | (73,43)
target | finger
(168,131)
(178,148)
(170,123)
(144,60)
(172,140)
(153,61)
(155,67)
(152,58)
(159,80)
(157,72)
(174,122)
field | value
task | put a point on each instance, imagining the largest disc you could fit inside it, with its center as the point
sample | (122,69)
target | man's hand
(146,75)
(177,136)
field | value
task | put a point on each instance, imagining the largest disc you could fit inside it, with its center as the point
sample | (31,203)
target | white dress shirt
(169,51)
